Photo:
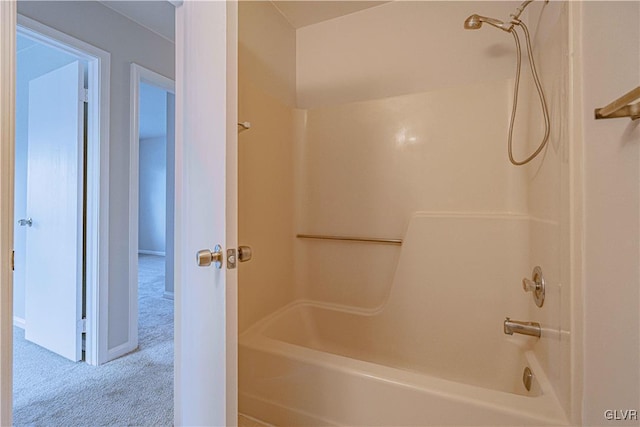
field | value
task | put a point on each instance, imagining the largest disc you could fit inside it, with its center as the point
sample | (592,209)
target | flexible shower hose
(543,102)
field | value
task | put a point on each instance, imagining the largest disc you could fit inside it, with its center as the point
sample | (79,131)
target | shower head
(475,21)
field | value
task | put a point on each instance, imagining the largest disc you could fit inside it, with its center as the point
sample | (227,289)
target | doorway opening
(151,216)
(61,171)
(151,192)
(62,141)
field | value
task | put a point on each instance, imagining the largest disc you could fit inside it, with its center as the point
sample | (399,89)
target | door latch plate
(231,259)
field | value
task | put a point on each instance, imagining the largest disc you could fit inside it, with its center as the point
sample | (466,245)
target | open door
(53,264)
(206,213)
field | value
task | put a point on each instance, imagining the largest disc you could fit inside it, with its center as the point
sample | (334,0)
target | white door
(206,213)
(53,264)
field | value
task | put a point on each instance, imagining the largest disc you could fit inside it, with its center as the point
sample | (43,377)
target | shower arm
(515,16)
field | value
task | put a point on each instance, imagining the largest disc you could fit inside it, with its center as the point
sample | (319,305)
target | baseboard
(168,295)
(19,322)
(146,252)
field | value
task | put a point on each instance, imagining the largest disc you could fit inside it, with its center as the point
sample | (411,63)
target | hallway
(136,389)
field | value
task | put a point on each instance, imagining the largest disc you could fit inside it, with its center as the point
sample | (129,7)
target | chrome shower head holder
(474,22)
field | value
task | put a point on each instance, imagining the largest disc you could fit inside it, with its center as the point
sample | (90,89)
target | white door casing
(7,133)
(206,212)
(55,172)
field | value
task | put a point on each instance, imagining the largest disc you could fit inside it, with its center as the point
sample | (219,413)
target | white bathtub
(293,374)
(434,353)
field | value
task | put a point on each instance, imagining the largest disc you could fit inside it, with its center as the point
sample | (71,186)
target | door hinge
(13,260)
(82,325)
(84,95)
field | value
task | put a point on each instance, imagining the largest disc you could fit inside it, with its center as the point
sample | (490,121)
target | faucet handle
(535,285)
(529,285)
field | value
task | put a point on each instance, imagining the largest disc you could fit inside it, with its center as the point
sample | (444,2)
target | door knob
(205,257)
(25,222)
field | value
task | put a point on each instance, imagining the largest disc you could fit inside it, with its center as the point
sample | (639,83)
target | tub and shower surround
(397,143)
(416,326)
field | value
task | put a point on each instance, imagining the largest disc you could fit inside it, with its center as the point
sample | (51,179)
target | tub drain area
(527,378)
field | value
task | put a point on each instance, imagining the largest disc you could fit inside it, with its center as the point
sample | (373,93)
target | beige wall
(266,87)
(611,67)
(266,45)
(399,48)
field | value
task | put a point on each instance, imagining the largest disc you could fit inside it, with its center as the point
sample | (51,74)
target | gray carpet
(134,390)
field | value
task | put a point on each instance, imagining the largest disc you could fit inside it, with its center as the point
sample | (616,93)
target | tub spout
(524,328)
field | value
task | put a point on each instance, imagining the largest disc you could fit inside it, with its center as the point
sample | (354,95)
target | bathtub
(431,353)
(293,371)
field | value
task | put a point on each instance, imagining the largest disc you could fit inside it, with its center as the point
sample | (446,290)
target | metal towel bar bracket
(397,242)
(621,107)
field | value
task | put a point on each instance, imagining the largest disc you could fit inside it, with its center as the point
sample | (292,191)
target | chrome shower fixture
(474,22)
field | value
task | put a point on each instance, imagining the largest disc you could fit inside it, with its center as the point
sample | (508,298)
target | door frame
(8,11)
(139,74)
(97,188)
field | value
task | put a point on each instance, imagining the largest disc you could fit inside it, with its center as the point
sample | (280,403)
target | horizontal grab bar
(397,242)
